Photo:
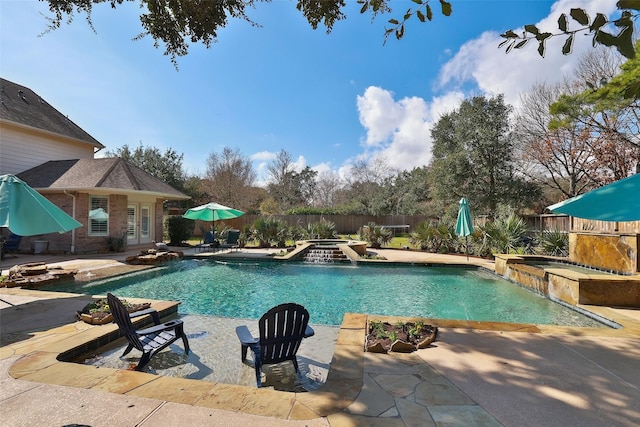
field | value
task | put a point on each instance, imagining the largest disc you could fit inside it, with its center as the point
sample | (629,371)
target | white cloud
(400,130)
(263,156)
(300,164)
(480,63)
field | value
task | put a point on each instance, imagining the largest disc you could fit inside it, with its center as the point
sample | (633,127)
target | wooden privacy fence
(345,224)
(350,224)
(568,223)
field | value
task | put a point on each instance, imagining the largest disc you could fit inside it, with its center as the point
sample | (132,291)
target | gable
(106,175)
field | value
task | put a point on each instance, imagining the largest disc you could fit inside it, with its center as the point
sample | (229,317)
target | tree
(473,157)
(166,167)
(328,184)
(175,24)
(230,178)
(560,159)
(287,187)
(367,177)
(610,118)
(622,41)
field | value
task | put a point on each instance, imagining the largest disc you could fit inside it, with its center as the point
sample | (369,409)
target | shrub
(321,230)
(269,230)
(507,234)
(180,229)
(116,243)
(554,243)
(435,237)
(375,236)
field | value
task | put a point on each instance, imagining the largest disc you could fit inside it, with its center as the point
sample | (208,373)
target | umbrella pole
(466,246)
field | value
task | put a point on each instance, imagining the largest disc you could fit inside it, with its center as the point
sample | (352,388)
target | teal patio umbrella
(618,201)
(464,227)
(212,212)
(26,212)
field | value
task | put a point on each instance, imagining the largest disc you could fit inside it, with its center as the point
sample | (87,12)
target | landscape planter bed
(401,337)
(98,313)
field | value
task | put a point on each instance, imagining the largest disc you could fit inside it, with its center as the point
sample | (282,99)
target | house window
(99,216)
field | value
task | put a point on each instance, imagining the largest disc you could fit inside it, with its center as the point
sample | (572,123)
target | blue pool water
(248,290)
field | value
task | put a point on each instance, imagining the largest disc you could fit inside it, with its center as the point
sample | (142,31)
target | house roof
(107,175)
(21,105)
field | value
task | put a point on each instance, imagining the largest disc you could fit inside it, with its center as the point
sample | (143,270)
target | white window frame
(98,227)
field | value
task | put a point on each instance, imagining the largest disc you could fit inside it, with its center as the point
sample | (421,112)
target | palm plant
(375,236)
(269,230)
(505,233)
(435,237)
(321,230)
(554,243)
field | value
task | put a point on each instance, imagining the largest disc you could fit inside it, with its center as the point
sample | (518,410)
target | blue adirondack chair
(149,341)
(281,331)
(11,244)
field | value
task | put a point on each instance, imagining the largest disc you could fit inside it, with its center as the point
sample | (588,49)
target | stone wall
(617,252)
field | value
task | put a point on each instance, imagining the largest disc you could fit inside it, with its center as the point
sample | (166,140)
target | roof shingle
(21,105)
(90,174)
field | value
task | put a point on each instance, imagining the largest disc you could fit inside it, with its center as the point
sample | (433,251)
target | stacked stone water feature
(324,255)
(614,279)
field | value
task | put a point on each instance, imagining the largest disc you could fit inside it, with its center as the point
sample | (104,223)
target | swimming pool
(249,289)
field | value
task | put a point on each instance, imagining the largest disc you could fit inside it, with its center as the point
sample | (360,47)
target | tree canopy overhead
(178,23)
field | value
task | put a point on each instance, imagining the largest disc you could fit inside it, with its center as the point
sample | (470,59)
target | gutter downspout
(73,215)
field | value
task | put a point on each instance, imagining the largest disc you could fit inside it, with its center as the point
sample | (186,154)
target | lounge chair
(281,331)
(149,341)
(209,242)
(232,240)
(12,244)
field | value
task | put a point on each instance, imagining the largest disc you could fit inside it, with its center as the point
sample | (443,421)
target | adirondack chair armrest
(172,324)
(309,332)
(245,337)
(152,311)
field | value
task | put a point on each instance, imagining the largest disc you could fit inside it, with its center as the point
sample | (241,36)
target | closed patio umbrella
(26,212)
(464,226)
(618,201)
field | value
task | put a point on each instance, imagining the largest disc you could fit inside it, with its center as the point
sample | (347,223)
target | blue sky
(326,99)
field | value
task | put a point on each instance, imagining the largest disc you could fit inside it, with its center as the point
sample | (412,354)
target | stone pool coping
(43,354)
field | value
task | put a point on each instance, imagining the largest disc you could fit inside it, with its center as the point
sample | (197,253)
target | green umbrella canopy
(464,227)
(26,212)
(212,212)
(618,201)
